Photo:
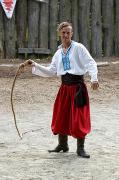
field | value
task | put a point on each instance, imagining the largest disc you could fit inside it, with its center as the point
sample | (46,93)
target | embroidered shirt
(80,62)
(65,59)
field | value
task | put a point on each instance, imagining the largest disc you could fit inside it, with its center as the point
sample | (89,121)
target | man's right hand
(27,63)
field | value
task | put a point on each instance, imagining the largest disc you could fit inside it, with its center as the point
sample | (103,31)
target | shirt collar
(60,46)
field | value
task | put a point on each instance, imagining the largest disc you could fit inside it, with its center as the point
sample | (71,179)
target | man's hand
(27,63)
(95,85)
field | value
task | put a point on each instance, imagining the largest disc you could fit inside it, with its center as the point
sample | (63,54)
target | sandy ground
(28,159)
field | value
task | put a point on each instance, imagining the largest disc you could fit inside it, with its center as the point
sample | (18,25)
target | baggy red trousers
(67,118)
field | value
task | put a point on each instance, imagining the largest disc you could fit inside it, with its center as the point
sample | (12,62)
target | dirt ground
(28,159)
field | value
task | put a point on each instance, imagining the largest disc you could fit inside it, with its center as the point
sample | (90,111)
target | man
(71,114)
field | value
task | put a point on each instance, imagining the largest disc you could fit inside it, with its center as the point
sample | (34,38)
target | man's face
(66,34)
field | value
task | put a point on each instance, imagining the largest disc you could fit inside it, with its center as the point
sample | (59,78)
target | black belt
(81,96)
(70,79)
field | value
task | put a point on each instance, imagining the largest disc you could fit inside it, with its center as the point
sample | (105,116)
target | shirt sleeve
(89,64)
(44,71)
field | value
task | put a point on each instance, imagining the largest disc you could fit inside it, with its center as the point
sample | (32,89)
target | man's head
(65,31)
(64,24)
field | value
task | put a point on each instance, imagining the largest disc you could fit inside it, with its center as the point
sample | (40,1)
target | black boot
(80,148)
(62,144)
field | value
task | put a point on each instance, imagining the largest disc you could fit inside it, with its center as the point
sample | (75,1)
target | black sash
(81,96)
(71,79)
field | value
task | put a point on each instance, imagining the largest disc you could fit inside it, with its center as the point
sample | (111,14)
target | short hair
(64,24)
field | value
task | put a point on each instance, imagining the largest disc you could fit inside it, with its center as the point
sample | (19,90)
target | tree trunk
(75,20)
(53,25)
(108,26)
(84,19)
(1,34)
(96,29)
(10,37)
(44,23)
(65,11)
(21,21)
(33,23)
(117,28)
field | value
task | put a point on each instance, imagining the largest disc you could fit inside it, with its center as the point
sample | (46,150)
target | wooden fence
(34,24)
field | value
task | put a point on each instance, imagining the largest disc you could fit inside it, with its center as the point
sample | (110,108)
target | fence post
(96,29)
(65,11)
(53,25)
(117,27)
(43,25)
(1,34)
(108,26)
(75,20)
(84,19)
(10,37)
(33,23)
(21,23)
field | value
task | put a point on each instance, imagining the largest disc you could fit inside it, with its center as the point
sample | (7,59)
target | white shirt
(80,62)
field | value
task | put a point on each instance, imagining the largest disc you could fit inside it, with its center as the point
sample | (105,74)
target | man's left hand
(95,85)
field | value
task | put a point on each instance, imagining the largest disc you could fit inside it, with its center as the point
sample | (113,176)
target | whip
(21,66)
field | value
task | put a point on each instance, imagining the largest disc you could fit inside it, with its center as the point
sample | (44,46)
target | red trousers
(67,118)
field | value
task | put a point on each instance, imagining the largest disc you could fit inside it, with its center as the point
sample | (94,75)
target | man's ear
(58,34)
(72,34)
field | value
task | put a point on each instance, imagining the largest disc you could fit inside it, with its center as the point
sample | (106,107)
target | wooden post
(21,22)
(65,11)
(108,26)
(84,18)
(10,37)
(75,20)
(116,28)
(96,29)
(43,25)
(53,25)
(1,34)
(33,23)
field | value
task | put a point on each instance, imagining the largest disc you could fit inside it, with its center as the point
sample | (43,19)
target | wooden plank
(10,37)
(33,23)
(42,51)
(65,11)
(101,64)
(116,38)
(33,51)
(108,26)
(44,1)
(21,22)
(25,50)
(53,25)
(1,34)
(96,29)
(75,20)
(44,24)
(84,18)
